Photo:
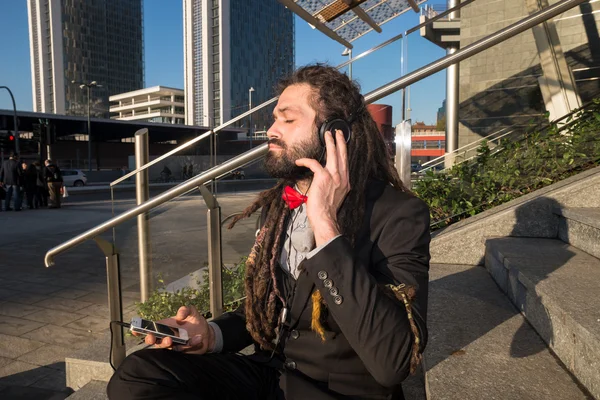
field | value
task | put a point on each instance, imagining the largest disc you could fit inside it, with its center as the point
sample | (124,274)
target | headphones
(335,123)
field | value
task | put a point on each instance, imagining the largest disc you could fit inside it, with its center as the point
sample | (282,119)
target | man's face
(24,165)
(293,134)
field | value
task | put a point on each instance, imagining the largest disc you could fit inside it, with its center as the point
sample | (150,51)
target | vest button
(294,334)
(322,275)
(291,365)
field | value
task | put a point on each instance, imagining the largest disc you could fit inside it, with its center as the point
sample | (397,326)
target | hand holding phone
(159,330)
(201,337)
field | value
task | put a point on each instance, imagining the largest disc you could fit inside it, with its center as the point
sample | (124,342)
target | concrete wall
(499,86)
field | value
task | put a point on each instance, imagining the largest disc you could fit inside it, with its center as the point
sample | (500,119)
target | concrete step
(91,363)
(580,227)
(93,390)
(557,288)
(481,347)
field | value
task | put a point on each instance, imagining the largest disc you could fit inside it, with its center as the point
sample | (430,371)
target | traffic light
(7,142)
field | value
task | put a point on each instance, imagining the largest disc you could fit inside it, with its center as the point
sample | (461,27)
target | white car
(73,177)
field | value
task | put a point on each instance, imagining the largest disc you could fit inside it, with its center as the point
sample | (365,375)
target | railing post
(115,305)
(142,193)
(215,251)
(403,149)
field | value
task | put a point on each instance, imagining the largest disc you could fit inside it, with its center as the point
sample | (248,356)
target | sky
(163,53)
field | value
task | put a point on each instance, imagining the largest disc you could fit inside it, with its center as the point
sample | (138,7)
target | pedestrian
(54,181)
(41,189)
(190,170)
(10,177)
(337,280)
(30,183)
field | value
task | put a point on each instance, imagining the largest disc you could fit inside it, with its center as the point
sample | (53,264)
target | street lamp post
(348,52)
(250,116)
(89,124)
(16,127)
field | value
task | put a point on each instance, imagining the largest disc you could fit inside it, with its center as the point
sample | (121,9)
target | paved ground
(46,314)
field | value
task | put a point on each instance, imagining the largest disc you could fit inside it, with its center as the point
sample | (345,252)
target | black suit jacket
(368,337)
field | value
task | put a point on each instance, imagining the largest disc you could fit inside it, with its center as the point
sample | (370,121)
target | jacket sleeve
(233,327)
(375,325)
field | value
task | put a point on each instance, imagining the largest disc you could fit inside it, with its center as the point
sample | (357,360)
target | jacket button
(290,365)
(328,283)
(338,300)
(334,291)
(322,275)
(295,334)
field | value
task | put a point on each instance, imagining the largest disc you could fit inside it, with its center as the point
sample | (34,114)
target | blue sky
(163,47)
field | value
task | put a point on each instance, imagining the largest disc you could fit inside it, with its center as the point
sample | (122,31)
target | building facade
(155,104)
(84,41)
(427,142)
(229,48)
(507,85)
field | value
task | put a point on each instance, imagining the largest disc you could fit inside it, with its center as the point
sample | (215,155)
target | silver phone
(144,326)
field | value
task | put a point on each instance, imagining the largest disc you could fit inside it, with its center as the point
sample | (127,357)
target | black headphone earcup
(332,125)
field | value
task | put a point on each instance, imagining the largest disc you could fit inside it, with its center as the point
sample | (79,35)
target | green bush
(513,168)
(163,304)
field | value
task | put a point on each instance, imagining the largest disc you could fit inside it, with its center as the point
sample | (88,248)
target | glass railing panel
(518,165)
(178,252)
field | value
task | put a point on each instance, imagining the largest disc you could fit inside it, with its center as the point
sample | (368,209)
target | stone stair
(481,347)
(555,284)
(580,227)
(93,390)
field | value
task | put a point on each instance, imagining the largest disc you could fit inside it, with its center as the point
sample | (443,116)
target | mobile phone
(144,326)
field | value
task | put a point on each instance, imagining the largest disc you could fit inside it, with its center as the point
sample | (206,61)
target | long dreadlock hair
(334,95)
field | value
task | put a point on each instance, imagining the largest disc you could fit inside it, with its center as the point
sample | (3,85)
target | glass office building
(230,47)
(84,41)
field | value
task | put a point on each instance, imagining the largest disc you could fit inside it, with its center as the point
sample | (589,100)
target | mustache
(277,142)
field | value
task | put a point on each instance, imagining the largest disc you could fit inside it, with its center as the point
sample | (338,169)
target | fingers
(182,313)
(309,163)
(330,146)
(342,154)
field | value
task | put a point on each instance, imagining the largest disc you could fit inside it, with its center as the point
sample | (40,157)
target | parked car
(73,177)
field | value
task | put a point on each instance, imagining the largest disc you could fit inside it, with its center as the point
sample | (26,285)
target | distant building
(154,104)
(84,41)
(441,113)
(427,142)
(230,47)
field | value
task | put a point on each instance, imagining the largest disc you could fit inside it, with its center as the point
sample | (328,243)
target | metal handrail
(438,160)
(259,107)
(193,141)
(372,96)
(547,124)
(475,48)
(178,190)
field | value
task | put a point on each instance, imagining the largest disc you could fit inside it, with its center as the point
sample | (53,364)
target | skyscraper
(230,47)
(84,41)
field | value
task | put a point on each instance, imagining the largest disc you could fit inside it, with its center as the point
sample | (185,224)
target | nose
(272,133)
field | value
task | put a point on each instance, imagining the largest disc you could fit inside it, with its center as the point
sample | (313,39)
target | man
(336,286)
(11,175)
(54,180)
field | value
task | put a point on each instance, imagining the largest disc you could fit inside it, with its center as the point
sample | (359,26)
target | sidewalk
(47,314)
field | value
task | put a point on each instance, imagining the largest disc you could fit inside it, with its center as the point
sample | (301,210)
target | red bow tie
(293,198)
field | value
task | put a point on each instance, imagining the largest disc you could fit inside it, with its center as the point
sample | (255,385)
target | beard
(282,165)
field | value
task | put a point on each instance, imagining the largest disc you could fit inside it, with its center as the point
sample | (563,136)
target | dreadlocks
(334,95)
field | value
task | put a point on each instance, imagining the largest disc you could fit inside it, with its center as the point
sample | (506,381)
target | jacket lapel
(303,291)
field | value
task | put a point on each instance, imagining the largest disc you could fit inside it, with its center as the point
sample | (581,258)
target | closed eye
(289,121)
